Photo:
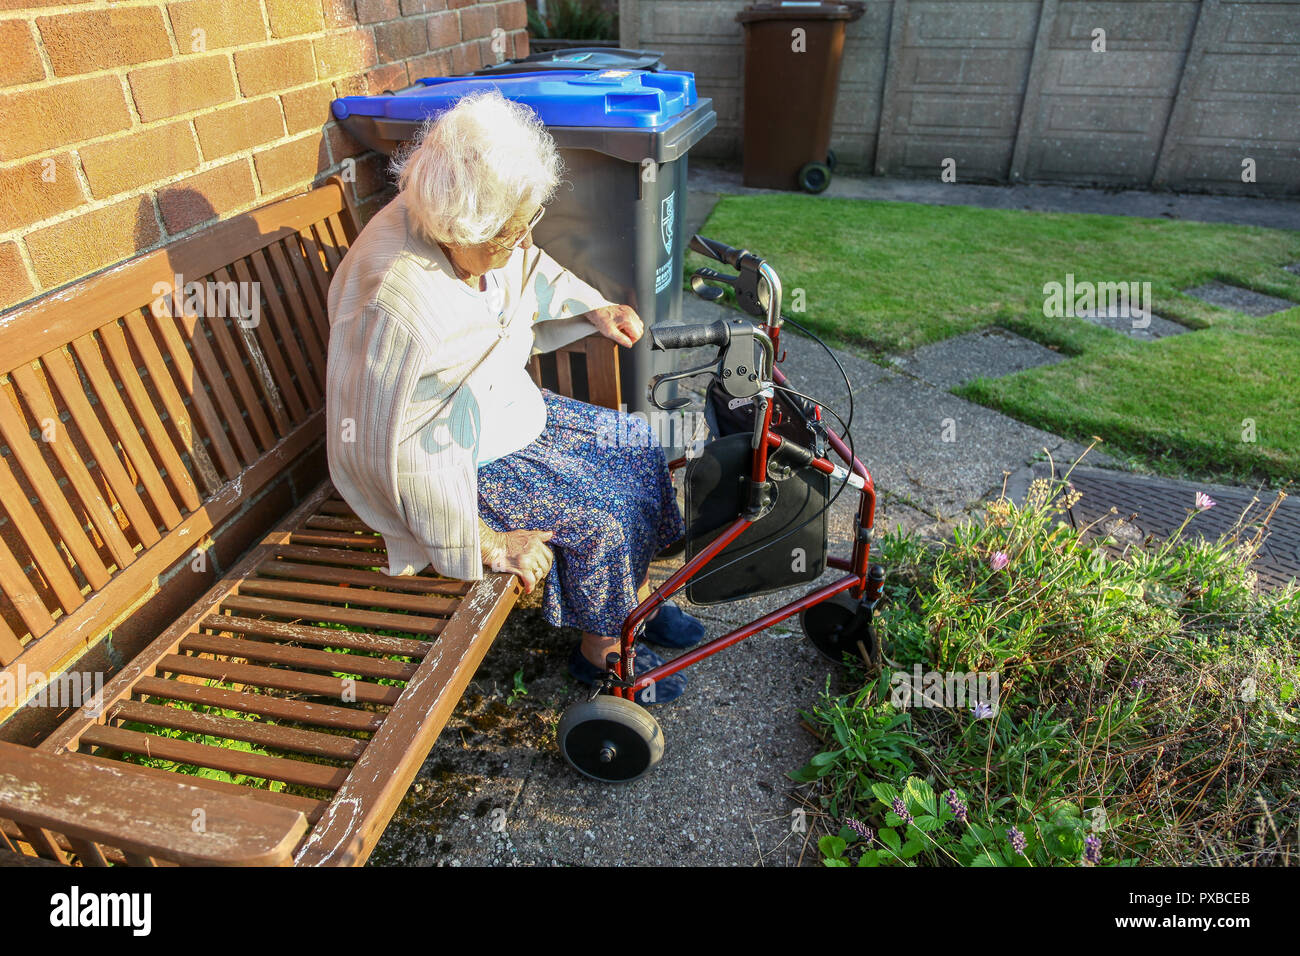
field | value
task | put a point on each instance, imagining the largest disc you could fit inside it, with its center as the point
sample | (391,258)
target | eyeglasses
(541,211)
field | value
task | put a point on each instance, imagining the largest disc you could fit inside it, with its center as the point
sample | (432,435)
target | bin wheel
(829,627)
(814,177)
(610,739)
(831,160)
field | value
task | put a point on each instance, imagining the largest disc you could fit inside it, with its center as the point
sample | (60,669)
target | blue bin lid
(631,99)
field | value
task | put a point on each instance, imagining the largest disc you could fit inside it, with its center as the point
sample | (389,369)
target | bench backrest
(135,415)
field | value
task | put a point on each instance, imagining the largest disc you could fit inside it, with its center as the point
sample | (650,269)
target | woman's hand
(617,322)
(518,552)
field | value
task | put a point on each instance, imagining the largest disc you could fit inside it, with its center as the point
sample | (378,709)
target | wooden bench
(131,426)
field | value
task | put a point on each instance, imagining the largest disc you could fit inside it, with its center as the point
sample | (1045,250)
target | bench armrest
(117,807)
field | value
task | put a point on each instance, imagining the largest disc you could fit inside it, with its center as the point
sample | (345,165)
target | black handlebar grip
(716,250)
(690,336)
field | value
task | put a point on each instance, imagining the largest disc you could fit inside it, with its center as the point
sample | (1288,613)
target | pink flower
(1204,502)
(999,560)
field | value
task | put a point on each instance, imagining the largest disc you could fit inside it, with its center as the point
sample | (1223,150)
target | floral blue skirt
(598,480)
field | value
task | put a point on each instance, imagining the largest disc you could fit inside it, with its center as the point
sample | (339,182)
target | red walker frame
(857,582)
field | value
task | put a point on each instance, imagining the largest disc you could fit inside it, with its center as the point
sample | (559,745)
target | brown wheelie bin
(791,79)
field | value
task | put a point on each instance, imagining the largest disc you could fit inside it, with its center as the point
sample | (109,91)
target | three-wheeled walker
(757,500)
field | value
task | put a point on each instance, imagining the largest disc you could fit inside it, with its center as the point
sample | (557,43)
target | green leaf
(831,846)
(890,839)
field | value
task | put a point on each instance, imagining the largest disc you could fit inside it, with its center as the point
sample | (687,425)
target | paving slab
(1240,300)
(1148,329)
(987,353)
(1293,267)
(1151,507)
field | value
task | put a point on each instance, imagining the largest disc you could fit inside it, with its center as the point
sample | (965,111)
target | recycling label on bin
(667,220)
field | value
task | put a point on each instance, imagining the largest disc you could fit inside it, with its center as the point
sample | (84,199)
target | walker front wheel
(610,739)
(834,628)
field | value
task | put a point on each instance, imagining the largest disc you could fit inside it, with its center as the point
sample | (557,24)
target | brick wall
(124,125)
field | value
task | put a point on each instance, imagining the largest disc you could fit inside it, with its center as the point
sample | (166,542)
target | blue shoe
(661,692)
(673,627)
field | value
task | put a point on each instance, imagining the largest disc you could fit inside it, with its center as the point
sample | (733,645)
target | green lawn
(888,277)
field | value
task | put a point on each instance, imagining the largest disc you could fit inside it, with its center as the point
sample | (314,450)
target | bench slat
(285,327)
(58,366)
(278,708)
(295,611)
(298,657)
(423,604)
(141,814)
(46,486)
(323,636)
(279,678)
(48,560)
(377,579)
(252,731)
(65,452)
(186,493)
(31,609)
(273,352)
(215,758)
(302,321)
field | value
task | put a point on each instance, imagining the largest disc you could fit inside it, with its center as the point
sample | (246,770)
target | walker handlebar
(690,336)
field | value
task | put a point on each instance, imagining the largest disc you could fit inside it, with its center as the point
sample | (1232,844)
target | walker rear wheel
(610,739)
(832,627)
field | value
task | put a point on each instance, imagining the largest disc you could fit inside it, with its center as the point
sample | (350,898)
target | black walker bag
(717,483)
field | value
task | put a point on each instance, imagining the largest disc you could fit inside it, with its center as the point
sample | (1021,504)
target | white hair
(474,166)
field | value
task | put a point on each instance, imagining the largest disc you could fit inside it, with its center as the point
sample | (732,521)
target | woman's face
(514,233)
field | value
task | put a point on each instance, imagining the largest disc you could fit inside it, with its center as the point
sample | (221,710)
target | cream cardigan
(404,332)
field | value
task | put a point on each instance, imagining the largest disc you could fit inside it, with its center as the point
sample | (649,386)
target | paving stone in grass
(1239,300)
(1148,329)
(1293,267)
(988,353)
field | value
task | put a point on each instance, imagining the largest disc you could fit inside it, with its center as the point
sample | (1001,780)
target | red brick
(293,164)
(412,8)
(444,30)
(91,40)
(223,22)
(74,247)
(344,53)
(207,195)
(466,57)
(308,108)
(15,286)
(400,40)
(521,44)
(55,114)
(181,86)
(458,4)
(239,127)
(292,17)
(38,190)
(435,64)
(513,15)
(376,11)
(141,156)
(339,13)
(20,63)
(269,69)
(341,143)
(478,21)
(372,176)
(391,77)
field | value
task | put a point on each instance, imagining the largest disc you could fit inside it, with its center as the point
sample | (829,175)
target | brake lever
(710,293)
(666,377)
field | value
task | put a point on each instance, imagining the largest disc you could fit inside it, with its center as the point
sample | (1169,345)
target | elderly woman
(438,437)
